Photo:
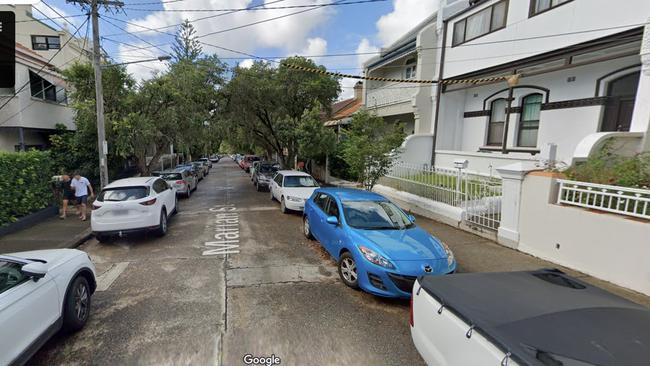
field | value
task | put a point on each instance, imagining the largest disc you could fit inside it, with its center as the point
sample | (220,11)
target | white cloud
(145,70)
(315,46)
(406,14)
(289,33)
(43,11)
(247,63)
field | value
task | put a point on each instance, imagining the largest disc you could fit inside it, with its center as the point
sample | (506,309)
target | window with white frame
(411,69)
(44,43)
(486,21)
(529,123)
(540,6)
(497,122)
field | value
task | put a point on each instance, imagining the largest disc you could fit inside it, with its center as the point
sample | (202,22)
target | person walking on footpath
(68,195)
(81,186)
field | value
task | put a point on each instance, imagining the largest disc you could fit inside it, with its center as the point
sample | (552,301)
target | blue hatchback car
(377,246)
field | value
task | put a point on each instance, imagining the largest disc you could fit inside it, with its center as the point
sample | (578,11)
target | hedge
(24,184)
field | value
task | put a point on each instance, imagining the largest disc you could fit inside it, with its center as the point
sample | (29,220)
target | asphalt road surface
(233,277)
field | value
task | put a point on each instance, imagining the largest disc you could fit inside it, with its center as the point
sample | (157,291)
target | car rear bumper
(143,221)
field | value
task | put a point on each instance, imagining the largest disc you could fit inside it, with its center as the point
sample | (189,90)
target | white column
(641,116)
(513,177)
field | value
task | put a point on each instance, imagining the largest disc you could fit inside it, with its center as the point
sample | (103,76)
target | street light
(159,58)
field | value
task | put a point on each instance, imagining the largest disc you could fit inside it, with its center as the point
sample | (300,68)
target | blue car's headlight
(375,258)
(450,254)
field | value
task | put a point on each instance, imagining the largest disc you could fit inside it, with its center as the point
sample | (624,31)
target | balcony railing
(390,94)
(619,200)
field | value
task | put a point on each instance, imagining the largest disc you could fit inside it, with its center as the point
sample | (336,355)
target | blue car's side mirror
(412,218)
(333,220)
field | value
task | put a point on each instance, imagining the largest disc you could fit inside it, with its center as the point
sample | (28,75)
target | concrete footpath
(52,233)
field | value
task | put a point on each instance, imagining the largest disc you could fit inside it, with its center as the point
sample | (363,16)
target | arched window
(411,68)
(497,120)
(531,108)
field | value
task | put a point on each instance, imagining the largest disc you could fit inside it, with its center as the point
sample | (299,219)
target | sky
(350,29)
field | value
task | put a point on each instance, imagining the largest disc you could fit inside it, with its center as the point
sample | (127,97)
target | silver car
(182,179)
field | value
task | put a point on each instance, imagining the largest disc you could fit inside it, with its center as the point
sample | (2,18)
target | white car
(133,204)
(292,189)
(532,318)
(42,292)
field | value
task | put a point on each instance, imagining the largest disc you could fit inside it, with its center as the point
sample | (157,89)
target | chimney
(358,90)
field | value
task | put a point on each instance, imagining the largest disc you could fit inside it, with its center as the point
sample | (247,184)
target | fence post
(513,177)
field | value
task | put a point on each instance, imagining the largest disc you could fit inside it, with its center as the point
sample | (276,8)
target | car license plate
(120,212)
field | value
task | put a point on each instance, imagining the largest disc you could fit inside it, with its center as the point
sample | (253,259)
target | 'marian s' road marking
(226,231)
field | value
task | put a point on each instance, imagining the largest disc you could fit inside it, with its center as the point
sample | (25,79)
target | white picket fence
(620,200)
(478,195)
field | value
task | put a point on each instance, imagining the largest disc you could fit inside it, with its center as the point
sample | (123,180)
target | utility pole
(102,146)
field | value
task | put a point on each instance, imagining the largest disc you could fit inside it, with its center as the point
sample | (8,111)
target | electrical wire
(44,65)
(195,20)
(253,9)
(136,36)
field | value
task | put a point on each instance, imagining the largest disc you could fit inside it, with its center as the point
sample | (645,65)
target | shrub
(24,183)
(605,167)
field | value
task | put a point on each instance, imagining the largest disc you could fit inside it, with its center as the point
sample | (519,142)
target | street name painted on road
(226,231)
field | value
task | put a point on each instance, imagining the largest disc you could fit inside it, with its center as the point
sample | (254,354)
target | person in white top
(81,186)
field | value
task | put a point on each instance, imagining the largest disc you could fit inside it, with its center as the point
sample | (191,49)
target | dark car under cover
(546,318)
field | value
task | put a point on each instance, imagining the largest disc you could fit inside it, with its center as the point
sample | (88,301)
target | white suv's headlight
(294,199)
(450,254)
(375,258)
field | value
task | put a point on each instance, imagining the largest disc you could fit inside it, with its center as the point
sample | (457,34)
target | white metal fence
(478,195)
(620,200)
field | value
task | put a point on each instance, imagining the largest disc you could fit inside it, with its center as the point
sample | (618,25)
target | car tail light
(180,182)
(411,313)
(148,203)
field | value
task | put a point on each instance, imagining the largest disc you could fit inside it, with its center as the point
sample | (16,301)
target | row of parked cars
(535,318)
(45,291)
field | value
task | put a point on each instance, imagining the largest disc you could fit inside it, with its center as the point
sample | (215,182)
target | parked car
(133,204)
(196,170)
(215,158)
(264,173)
(207,161)
(377,246)
(292,188)
(42,292)
(203,166)
(247,161)
(549,319)
(182,179)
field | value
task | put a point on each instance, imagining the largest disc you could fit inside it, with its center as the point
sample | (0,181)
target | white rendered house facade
(582,82)
(33,112)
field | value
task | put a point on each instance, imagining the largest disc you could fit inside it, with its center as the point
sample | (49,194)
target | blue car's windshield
(375,215)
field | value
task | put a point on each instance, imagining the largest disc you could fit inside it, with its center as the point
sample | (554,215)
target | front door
(621,94)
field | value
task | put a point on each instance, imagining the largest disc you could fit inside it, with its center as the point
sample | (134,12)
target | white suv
(292,189)
(133,204)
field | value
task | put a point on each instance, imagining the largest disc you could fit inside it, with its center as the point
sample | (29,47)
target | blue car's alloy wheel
(348,270)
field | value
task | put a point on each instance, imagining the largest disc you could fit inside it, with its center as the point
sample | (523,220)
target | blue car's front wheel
(348,270)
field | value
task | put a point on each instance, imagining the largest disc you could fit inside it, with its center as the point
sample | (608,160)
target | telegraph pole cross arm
(102,146)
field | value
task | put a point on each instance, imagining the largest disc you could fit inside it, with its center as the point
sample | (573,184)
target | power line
(48,62)
(194,20)
(136,36)
(52,18)
(55,12)
(156,2)
(253,9)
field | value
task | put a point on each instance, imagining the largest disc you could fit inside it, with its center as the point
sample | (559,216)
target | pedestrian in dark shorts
(68,195)
(81,187)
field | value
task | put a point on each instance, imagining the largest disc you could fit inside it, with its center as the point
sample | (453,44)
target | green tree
(315,141)
(266,104)
(370,147)
(186,46)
